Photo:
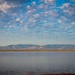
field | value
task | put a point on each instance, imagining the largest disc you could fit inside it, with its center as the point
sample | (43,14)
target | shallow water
(47,62)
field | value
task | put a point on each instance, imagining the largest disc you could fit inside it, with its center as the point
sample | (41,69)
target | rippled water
(51,62)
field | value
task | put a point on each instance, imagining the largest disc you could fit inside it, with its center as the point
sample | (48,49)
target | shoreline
(30,50)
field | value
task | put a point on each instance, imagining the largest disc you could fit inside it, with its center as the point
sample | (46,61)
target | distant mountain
(31,46)
(59,46)
(20,46)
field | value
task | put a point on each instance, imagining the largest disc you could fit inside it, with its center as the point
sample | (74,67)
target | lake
(40,62)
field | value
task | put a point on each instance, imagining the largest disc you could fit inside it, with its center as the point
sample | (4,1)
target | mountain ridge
(34,46)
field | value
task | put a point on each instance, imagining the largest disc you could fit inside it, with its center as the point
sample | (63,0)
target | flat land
(36,50)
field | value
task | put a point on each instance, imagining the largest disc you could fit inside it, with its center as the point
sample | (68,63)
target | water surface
(50,62)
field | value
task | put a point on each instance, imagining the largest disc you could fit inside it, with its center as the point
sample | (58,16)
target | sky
(37,22)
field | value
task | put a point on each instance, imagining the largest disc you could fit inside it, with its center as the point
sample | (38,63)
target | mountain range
(31,46)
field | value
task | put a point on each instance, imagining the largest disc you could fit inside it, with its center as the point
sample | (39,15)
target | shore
(36,50)
(59,74)
(31,73)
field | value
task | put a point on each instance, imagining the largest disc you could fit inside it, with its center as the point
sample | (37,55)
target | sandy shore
(30,50)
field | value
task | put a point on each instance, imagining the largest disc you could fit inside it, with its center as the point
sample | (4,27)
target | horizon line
(37,44)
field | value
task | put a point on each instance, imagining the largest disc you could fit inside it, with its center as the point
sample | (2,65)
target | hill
(31,46)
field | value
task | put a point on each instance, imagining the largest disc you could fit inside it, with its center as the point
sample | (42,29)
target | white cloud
(60,21)
(31,11)
(65,11)
(18,19)
(4,7)
(73,23)
(36,15)
(12,26)
(21,22)
(32,20)
(68,8)
(45,21)
(28,7)
(69,26)
(54,13)
(34,3)
(49,1)
(52,2)
(65,5)
(41,6)
(25,27)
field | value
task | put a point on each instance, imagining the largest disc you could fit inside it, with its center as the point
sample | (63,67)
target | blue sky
(37,22)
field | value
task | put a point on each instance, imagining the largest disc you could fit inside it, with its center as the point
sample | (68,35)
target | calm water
(53,62)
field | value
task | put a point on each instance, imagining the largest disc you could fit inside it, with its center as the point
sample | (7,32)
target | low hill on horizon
(32,46)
